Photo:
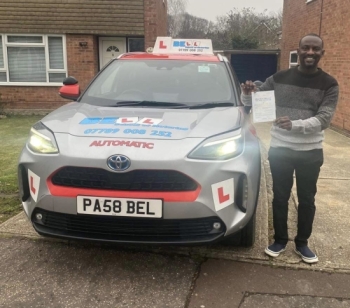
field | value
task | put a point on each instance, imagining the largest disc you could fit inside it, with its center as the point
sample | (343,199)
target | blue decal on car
(135,131)
(110,120)
(160,133)
(101,131)
(90,121)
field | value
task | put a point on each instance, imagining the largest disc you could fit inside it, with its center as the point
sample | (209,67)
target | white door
(111,48)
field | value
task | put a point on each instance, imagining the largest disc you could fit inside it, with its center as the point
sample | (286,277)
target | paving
(227,284)
(330,237)
(53,274)
(40,272)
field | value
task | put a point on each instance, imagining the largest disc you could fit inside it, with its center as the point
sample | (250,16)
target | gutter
(321,17)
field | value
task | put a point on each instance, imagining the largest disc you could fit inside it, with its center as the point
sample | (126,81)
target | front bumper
(128,230)
(181,210)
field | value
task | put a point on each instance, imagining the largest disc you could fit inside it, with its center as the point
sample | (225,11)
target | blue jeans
(307,165)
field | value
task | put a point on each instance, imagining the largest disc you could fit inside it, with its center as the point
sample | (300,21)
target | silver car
(157,149)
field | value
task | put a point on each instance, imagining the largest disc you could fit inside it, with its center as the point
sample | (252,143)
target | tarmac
(40,272)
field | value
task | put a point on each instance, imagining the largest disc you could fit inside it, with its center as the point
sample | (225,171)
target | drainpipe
(321,17)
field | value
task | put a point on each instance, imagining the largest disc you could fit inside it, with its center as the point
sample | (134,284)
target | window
(32,59)
(136,44)
(166,81)
(293,59)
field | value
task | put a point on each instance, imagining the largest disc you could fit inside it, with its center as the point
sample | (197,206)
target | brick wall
(299,19)
(124,18)
(82,64)
(155,20)
(333,24)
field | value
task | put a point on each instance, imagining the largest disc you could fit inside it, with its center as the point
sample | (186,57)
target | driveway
(39,272)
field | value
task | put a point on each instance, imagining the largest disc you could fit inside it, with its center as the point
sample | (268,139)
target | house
(43,41)
(329,19)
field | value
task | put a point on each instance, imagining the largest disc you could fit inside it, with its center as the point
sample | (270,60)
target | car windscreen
(164,81)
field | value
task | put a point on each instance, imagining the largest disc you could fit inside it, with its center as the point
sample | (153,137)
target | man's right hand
(248,87)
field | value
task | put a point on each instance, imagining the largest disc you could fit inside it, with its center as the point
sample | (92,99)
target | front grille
(136,180)
(128,229)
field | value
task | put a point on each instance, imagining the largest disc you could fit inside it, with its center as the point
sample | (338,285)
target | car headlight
(219,149)
(41,140)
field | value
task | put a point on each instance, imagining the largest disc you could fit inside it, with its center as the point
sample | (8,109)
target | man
(306,98)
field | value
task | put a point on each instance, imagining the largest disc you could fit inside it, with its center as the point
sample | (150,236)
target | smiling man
(306,98)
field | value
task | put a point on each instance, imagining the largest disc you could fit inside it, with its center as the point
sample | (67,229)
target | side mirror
(69,81)
(70,89)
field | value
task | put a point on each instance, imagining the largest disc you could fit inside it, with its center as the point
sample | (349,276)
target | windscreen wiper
(206,105)
(148,104)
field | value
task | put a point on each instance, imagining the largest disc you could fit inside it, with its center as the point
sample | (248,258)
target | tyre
(248,233)
(243,238)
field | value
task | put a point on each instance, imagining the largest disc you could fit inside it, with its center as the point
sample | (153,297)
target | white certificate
(264,107)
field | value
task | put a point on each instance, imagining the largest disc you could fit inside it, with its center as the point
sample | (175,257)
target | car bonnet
(147,123)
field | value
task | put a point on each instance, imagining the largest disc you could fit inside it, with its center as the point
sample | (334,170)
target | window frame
(293,64)
(134,38)
(45,45)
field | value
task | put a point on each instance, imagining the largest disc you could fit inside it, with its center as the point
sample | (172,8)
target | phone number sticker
(131,131)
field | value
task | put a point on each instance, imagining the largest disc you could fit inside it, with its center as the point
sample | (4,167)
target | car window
(170,81)
(107,84)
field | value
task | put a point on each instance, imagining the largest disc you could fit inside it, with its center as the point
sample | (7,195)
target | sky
(209,9)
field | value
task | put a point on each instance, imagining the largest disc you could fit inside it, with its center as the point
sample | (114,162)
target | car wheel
(248,233)
(243,238)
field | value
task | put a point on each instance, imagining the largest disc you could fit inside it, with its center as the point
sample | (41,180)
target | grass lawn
(9,206)
(14,131)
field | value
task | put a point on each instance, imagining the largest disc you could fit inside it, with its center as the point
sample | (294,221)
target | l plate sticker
(34,182)
(223,194)
(150,121)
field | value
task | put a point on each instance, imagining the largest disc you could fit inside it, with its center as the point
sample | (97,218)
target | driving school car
(157,149)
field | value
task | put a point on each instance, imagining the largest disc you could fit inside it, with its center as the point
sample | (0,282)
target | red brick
(333,25)
(83,63)
(155,20)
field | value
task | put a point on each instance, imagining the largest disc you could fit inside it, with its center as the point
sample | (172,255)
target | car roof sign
(168,45)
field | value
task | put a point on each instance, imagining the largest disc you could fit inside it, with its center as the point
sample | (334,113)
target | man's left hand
(284,123)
